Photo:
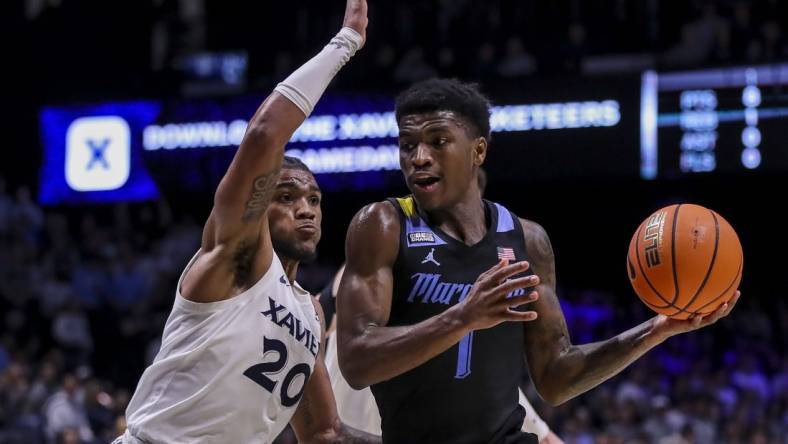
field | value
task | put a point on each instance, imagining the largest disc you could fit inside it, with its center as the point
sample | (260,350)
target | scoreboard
(729,120)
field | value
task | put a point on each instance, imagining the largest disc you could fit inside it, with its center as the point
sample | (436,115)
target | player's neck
(291,268)
(465,221)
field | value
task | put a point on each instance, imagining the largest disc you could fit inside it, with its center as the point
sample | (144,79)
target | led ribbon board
(135,150)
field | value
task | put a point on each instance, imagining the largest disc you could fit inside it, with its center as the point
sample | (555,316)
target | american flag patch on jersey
(506,253)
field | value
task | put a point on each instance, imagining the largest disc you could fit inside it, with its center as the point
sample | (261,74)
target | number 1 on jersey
(464,357)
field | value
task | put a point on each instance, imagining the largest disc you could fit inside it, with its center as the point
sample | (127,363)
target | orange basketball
(685,259)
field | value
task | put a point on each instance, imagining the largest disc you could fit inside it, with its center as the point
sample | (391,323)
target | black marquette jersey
(467,394)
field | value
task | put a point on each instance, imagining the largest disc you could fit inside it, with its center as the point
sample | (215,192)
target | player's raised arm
(236,232)
(369,350)
(244,192)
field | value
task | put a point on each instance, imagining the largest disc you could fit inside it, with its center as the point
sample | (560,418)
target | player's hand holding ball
(685,262)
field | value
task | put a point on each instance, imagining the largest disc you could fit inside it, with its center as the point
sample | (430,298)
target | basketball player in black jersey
(436,308)
(357,407)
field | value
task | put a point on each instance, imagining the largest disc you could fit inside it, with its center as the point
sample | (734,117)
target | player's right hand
(356,17)
(488,304)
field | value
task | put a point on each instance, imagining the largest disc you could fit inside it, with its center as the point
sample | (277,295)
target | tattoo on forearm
(262,189)
(589,365)
(569,370)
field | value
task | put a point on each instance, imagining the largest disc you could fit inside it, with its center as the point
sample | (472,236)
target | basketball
(684,260)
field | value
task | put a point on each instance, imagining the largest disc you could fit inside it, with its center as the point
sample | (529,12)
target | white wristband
(305,86)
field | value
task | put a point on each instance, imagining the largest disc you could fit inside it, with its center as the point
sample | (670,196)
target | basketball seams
(708,270)
(736,279)
(673,256)
(654,307)
(716,298)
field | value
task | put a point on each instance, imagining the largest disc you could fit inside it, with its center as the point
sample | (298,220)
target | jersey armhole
(393,201)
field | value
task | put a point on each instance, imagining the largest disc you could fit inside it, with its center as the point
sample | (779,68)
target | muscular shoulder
(537,246)
(533,232)
(378,214)
(373,235)
(379,220)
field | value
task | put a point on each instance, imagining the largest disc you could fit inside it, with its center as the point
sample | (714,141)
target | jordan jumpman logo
(431,258)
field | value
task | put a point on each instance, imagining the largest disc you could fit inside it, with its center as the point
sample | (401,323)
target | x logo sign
(97,149)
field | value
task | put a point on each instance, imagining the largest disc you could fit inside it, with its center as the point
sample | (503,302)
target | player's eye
(285,198)
(314,200)
(406,146)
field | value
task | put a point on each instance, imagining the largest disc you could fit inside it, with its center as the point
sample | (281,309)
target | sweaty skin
(432,145)
(439,156)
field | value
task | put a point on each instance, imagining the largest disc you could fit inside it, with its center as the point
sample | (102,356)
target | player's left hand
(667,327)
(356,17)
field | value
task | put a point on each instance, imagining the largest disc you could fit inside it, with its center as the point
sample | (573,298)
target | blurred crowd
(145,44)
(727,384)
(493,41)
(84,294)
(84,297)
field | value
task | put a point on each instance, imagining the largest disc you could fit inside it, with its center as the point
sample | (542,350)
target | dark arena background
(604,112)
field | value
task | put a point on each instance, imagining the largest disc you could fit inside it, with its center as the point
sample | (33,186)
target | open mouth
(427,183)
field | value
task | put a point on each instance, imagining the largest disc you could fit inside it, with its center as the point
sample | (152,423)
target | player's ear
(479,151)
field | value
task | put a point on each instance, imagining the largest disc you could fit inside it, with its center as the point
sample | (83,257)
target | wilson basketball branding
(652,238)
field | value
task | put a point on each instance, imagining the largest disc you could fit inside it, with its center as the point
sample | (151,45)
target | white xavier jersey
(231,371)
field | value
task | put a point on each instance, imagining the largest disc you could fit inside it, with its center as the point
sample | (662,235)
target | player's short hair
(462,98)
(294,163)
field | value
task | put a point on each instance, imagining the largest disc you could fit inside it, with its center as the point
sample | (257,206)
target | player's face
(438,155)
(294,216)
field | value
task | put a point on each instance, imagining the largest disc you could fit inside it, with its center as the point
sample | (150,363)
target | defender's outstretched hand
(356,17)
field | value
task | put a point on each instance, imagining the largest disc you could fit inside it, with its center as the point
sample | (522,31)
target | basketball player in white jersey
(241,351)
